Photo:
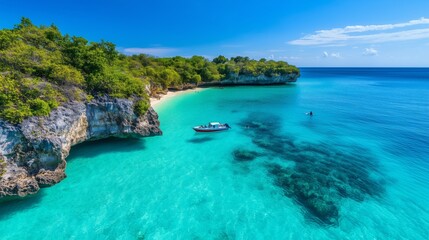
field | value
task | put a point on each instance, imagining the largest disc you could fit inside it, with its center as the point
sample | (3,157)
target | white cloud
(289,58)
(159,51)
(353,34)
(335,55)
(370,52)
(325,54)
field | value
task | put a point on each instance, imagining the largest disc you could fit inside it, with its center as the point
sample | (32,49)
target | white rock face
(34,152)
(260,80)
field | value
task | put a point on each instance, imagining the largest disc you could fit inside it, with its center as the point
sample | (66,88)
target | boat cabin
(214,125)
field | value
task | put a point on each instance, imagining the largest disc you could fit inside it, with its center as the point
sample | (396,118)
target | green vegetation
(2,166)
(141,106)
(40,69)
(179,72)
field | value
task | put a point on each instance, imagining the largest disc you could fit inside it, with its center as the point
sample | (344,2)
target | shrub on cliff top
(141,107)
(25,97)
(40,68)
(39,107)
(2,166)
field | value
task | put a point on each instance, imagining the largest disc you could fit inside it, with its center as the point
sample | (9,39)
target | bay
(357,169)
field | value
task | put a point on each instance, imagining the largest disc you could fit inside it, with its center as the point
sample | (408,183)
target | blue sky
(303,33)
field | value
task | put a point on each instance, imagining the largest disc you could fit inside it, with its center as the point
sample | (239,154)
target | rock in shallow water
(18,184)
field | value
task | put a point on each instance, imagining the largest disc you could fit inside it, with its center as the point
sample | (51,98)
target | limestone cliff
(33,154)
(243,79)
(259,80)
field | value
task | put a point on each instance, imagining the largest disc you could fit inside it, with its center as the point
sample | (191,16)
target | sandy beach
(154,102)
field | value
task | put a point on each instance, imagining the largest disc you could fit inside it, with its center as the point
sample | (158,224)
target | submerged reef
(322,174)
(243,155)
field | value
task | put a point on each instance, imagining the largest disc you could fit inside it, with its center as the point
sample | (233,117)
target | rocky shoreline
(33,153)
(243,80)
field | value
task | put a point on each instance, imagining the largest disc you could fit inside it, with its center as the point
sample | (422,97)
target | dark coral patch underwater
(322,175)
(244,155)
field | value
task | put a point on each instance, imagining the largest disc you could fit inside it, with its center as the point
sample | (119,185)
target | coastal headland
(57,91)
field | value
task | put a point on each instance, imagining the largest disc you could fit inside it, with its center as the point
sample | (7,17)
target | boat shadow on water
(200,139)
(322,174)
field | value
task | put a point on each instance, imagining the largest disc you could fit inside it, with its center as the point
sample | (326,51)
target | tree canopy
(40,68)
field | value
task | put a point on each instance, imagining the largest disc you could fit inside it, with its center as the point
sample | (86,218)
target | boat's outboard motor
(226,125)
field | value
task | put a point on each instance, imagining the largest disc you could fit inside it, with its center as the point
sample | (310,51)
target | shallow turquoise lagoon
(357,169)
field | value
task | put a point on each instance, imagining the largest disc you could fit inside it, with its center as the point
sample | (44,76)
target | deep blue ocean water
(357,169)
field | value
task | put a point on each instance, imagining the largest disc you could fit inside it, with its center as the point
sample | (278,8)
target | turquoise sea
(357,169)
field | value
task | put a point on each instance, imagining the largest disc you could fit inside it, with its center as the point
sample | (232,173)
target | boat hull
(198,129)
